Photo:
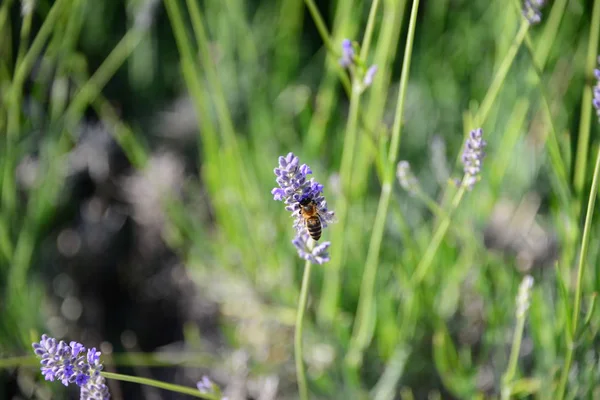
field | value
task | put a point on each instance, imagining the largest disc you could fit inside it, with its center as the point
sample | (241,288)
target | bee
(312,220)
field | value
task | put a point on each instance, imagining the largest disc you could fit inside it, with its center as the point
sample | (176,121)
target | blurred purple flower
(532,10)
(350,59)
(472,157)
(206,386)
(347,58)
(596,100)
(72,364)
(407,179)
(369,75)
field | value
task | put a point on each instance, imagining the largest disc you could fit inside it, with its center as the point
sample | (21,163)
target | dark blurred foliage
(109,274)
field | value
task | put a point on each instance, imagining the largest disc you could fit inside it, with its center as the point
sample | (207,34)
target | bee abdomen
(313,226)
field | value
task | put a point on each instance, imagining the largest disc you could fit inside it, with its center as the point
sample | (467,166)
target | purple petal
(278,194)
(369,75)
(282,162)
(305,169)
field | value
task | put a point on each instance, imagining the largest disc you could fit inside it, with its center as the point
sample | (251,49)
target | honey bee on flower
(304,199)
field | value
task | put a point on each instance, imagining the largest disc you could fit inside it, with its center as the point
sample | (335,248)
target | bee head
(305,200)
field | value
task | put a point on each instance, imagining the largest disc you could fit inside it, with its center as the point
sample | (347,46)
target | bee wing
(327,218)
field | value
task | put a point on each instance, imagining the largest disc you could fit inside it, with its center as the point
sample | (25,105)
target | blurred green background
(137,147)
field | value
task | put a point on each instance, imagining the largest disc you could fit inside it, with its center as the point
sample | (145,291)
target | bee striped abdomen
(313,226)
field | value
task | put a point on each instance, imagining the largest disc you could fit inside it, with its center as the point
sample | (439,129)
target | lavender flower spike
(206,386)
(472,157)
(524,296)
(72,364)
(369,75)
(347,58)
(407,179)
(596,101)
(294,188)
(532,10)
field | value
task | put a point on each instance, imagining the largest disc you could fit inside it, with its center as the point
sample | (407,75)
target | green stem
(551,142)
(300,374)
(539,57)
(397,126)
(5,40)
(321,27)
(134,148)
(242,177)
(587,104)
(216,169)
(161,385)
(585,242)
(587,227)
(324,33)
(6,244)
(511,370)
(220,103)
(366,43)
(331,285)
(425,263)
(478,120)
(22,361)
(326,99)
(107,69)
(14,112)
(361,332)
(494,88)
(536,71)
(326,103)
(193,83)
(431,204)
(583,138)
(39,205)
(24,36)
(461,231)
(565,372)
(65,44)
(26,63)
(551,25)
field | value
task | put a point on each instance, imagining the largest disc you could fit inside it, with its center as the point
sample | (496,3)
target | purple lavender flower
(295,187)
(472,157)
(407,179)
(316,255)
(206,386)
(596,100)
(347,58)
(369,75)
(357,66)
(532,10)
(71,364)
